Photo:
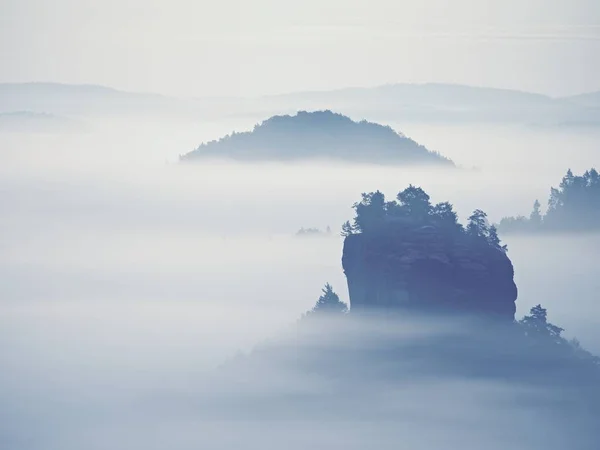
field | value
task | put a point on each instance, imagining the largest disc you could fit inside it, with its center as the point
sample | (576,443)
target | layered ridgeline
(318,135)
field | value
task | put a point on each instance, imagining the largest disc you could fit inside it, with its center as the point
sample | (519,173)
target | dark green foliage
(573,206)
(413,208)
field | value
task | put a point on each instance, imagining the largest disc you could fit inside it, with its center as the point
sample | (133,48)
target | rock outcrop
(423,268)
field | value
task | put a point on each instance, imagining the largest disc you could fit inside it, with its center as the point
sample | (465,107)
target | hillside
(319,134)
(590,99)
(94,100)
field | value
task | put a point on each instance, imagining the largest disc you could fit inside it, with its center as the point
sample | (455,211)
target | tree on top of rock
(443,215)
(415,202)
(479,228)
(478,224)
(413,206)
(348,229)
(494,240)
(370,211)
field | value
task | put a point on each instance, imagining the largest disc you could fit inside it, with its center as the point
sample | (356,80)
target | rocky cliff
(424,268)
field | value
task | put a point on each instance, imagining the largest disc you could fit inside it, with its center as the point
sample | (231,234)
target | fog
(127,279)
(201,48)
(147,304)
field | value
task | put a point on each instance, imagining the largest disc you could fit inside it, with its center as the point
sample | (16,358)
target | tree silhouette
(370,211)
(573,205)
(535,218)
(413,206)
(478,224)
(347,229)
(415,202)
(494,240)
(329,302)
(536,325)
(443,215)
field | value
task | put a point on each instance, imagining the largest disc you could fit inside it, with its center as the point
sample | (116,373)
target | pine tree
(370,211)
(444,215)
(535,218)
(478,224)
(347,229)
(329,302)
(536,325)
(494,240)
(415,201)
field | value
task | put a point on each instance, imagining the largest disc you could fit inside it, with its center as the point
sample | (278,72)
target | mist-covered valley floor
(127,279)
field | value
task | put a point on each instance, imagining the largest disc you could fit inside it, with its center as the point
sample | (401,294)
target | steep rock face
(425,269)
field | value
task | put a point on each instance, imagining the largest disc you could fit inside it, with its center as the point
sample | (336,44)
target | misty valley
(378,268)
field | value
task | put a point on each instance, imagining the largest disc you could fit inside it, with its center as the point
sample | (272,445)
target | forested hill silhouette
(573,206)
(319,134)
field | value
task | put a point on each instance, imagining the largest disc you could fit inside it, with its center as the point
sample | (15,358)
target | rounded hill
(315,135)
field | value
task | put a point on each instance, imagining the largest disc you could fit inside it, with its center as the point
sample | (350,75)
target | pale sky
(245,47)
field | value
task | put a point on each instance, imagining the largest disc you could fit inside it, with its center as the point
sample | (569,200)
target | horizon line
(296,92)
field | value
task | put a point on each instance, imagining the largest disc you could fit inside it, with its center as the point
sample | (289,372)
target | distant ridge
(85,99)
(589,99)
(419,89)
(436,103)
(318,135)
(426,102)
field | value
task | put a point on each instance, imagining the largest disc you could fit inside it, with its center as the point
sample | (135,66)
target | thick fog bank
(126,281)
(123,395)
